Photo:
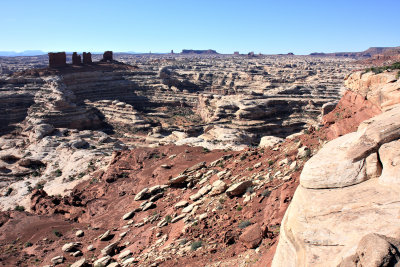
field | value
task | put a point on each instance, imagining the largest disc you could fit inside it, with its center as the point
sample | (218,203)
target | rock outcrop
(57,60)
(350,190)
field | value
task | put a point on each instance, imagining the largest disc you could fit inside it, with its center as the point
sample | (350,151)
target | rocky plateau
(199,159)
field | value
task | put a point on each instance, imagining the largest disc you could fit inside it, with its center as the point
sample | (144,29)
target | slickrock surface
(345,208)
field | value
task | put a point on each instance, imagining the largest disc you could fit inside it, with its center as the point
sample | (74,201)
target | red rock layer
(351,110)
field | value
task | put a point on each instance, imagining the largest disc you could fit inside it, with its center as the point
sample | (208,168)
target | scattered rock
(218,187)
(105,236)
(79,233)
(57,260)
(181,204)
(252,236)
(102,262)
(303,152)
(270,141)
(70,247)
(238,188)
(109,249)
(128,215)
(80,263)
(143,194)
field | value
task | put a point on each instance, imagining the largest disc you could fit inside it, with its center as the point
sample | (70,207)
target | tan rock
(269,141)
(389,154)
(375,132)
(331,168)
(102,262)
(324,226)
(218,187)
(80,263)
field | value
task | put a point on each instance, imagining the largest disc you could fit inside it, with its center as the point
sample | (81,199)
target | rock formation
(57,60)
(108,56)
(76,59)
(343,212)
(87,58)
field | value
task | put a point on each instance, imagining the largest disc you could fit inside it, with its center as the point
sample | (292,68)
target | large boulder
(374,251)
(348,190)
(252,236)
(238,188)
(269,141)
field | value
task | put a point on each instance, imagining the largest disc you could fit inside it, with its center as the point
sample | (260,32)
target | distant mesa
(199,52)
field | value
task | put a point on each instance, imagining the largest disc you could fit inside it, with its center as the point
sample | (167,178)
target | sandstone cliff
(345,210)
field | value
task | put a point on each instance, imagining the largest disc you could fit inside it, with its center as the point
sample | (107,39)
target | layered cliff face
(344,211)
(262,115)
(17,95)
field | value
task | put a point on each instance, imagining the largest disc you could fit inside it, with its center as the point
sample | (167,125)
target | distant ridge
(23,53)
(370,52)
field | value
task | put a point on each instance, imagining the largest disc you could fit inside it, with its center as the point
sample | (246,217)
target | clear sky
(270,27)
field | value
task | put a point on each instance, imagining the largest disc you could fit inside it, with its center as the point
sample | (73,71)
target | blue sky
(265,26)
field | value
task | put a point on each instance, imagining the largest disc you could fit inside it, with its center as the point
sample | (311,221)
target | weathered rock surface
(348,195)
